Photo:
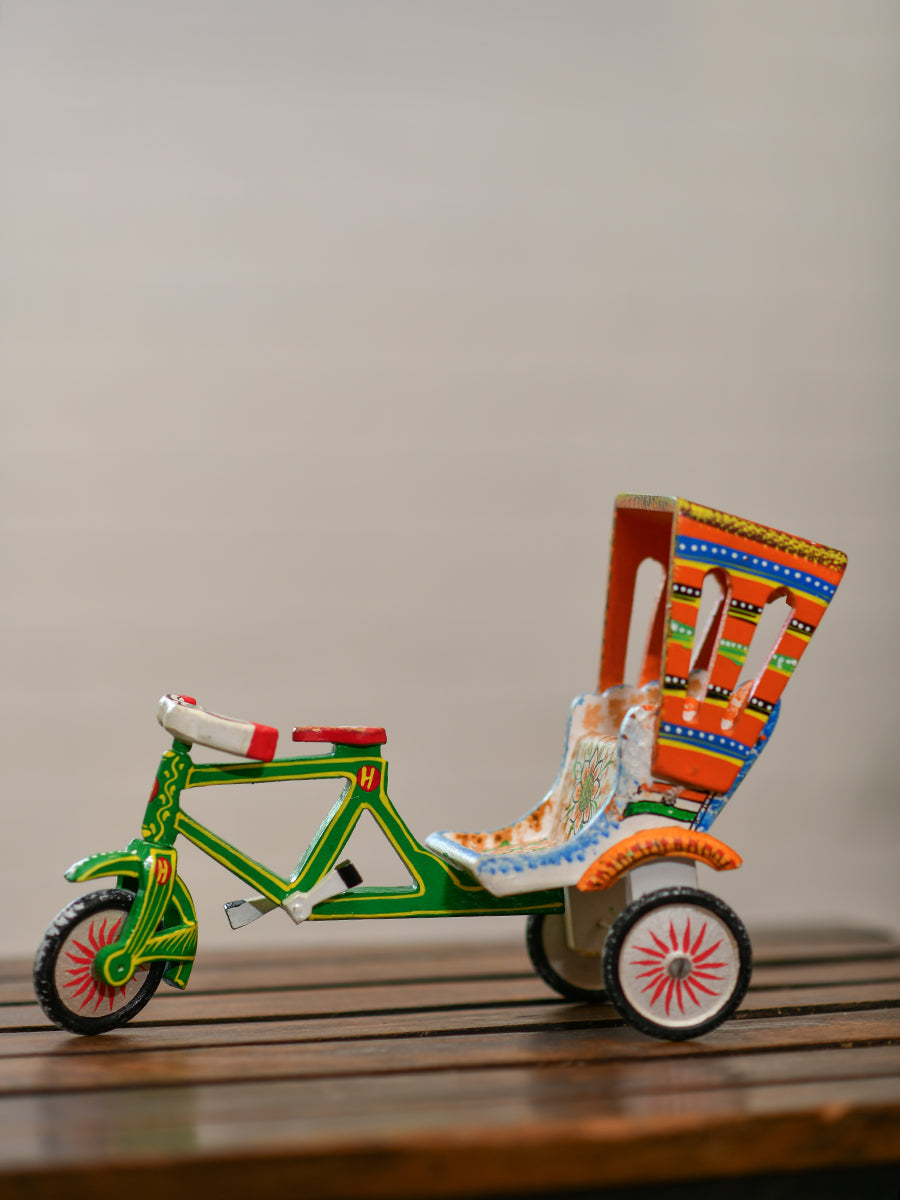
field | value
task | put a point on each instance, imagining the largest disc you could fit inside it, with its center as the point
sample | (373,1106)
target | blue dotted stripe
(713,554)
(583,848)
(700,739)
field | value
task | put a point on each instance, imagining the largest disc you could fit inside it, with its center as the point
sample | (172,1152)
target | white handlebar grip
(185,719)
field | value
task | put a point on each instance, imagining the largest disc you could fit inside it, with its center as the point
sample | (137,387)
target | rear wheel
(677,962)
(65,982)
(575,976)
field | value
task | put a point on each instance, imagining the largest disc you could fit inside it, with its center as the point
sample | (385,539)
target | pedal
(299,905)
(242,912)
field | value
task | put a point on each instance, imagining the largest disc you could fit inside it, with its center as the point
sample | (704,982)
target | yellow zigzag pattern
(769,537)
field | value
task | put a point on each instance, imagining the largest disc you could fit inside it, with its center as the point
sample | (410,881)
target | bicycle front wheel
(66,985)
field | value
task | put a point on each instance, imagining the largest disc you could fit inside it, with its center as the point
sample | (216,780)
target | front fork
(162,922)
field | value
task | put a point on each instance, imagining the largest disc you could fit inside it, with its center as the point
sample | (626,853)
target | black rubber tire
(683,902)
(545,940)
(72,1012)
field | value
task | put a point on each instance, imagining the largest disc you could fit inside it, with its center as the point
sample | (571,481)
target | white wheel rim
(76,984)
(679,965)
(580,970)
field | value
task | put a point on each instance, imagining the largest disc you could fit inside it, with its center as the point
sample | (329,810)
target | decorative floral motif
(590,782)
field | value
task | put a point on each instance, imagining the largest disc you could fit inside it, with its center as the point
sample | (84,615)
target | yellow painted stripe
(701,749)
(289,778)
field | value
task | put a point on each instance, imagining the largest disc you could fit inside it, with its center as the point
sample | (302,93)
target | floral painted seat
(607,755)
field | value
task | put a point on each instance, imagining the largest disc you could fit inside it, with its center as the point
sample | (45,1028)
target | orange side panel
(667,842)
(704,743)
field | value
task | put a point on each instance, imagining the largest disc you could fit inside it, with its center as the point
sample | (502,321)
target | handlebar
(184,718)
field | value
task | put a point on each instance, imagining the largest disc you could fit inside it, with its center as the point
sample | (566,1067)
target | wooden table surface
(447,1071)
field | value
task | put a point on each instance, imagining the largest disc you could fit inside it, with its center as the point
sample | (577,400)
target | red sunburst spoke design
(81,981)
(665,988)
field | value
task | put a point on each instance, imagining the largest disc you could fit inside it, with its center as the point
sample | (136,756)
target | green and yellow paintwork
(162,924)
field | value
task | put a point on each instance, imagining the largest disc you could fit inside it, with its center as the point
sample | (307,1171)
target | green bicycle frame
(162,923)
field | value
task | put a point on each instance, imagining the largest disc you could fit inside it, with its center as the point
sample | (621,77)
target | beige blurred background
(330,332)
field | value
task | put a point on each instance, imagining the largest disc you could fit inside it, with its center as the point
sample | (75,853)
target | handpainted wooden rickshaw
(604,867)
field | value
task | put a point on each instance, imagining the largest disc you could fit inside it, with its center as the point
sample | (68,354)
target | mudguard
(666,842)
(163,921)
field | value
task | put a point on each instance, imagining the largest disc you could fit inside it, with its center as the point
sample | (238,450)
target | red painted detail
(344,735)
(154,791)
(263,743)
(368,778)
(80,975)
(186,699)
(162,870)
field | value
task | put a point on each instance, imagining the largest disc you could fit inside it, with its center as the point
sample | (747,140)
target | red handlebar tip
(263,743)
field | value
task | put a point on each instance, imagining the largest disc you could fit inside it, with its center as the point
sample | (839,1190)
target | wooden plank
(770,987)
(466,1051)
(272,979)
(168,1005)
(146,1035)
(246,981)
(434,1135)
(404,1075)
(289,967)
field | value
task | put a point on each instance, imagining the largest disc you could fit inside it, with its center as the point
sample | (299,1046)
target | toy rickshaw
(604,866)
